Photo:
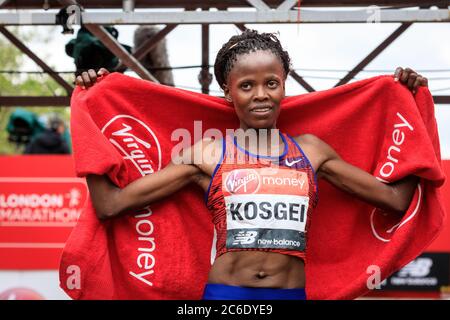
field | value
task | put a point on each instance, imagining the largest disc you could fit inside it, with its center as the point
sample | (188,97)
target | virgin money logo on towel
(242,181)
(135,141)
(139,145)
(384,225)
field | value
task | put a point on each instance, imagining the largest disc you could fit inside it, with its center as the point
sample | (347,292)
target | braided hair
(249,40)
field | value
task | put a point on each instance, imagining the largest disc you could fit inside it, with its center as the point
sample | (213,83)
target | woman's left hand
(410,78)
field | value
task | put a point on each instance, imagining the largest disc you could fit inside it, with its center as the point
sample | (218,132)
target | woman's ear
(226,92)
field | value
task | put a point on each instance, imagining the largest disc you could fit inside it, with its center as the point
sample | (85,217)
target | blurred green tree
(19,84)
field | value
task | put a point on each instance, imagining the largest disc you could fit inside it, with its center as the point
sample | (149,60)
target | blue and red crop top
(262,202)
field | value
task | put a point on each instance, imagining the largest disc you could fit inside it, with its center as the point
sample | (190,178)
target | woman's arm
(394,197)
(110,201)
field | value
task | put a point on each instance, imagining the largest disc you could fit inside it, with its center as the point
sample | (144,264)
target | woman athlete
(252,69)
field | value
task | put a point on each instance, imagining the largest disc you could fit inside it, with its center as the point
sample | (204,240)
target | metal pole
(22,47)
(147,46)
(287,5)
(441,99)
(259,5)
(115,47)
(230,17)
(374,53)
(301,81)
(13,101)
(205,77)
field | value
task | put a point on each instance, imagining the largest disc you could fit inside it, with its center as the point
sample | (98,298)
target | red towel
(122,127)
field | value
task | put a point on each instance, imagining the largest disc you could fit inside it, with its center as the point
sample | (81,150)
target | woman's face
(256,86)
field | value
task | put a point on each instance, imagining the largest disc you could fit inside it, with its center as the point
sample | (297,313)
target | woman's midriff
(258,269)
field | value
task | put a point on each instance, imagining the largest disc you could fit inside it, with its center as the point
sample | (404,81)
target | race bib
(266,208)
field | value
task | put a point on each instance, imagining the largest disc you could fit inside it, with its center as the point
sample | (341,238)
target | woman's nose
(261,93)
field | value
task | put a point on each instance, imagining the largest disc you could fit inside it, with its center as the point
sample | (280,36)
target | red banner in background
(442,243)
(41,199)
(40,202)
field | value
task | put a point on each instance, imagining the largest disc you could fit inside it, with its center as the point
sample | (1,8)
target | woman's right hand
(88,78)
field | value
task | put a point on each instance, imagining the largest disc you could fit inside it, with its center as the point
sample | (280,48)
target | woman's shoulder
(315,149)
(205,153)
(308,139)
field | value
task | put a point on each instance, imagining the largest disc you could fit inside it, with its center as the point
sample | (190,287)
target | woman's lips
(261,111)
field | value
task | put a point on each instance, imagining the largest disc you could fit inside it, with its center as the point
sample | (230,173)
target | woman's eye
(245,86)
(273,84)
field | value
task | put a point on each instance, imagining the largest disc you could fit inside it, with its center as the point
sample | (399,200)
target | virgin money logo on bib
(242,181)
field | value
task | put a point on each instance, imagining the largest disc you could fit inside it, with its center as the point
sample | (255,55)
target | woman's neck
(264,142)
